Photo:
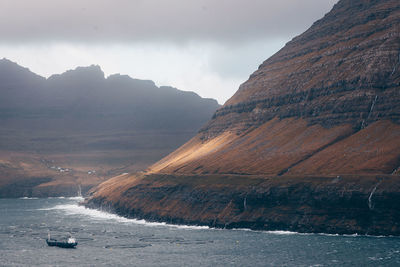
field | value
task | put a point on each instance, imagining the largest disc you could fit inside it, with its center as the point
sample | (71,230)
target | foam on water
(282,233)
(75,209)
(77,198)
(28,198)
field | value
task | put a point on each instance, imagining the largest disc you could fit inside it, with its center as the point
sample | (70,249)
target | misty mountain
(83,99)
(85,123)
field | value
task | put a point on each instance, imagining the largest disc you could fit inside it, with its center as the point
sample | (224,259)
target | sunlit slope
(290,147)
(326,103)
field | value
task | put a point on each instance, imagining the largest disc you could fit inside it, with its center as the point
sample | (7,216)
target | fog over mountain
(135,20)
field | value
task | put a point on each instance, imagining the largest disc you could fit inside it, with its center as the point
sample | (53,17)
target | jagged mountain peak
(92,72)
(11,71)
(126,80)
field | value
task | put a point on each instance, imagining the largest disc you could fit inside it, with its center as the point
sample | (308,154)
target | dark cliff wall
(343,204)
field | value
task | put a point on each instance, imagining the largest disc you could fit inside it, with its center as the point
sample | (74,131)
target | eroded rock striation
(310,142)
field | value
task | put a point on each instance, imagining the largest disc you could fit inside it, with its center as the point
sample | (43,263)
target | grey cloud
(151,20)
(241,60)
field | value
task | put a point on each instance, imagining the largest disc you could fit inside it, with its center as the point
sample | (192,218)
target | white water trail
(98,215)
(371,207)
(79,191)
(364,122)
(372,106)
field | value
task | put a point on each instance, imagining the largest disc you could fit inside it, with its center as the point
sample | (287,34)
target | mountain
(310,142)
(84,122)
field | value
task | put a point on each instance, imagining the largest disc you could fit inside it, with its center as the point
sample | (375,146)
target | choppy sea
(109,240)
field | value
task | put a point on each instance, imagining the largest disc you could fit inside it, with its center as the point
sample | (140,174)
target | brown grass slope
(317,97)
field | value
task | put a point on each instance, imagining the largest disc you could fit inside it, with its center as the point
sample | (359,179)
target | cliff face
(308,143)
(321,204)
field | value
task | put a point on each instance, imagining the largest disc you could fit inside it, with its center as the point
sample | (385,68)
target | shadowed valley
(76,129)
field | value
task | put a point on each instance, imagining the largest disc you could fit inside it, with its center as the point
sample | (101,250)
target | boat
(69,242)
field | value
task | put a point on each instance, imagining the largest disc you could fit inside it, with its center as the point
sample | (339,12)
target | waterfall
(372,106)
(370,205)
(364,122)
(79,191)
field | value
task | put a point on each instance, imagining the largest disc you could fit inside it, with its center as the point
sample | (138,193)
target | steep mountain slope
(311,142)
(86,123)
(342,74)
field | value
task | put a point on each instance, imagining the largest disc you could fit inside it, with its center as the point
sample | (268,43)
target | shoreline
(113,216)
(349,205)
(206,227)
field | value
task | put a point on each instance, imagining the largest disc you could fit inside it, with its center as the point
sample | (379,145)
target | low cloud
(206,46)
(155,20)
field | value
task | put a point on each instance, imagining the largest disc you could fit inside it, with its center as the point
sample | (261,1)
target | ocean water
(109,240)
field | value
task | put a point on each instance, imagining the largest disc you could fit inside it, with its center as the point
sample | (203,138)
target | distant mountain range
(88,100)
(310,142)
(81,118)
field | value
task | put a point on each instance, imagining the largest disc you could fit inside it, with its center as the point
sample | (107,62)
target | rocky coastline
(335,205)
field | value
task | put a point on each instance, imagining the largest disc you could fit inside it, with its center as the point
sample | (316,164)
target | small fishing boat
(69,242)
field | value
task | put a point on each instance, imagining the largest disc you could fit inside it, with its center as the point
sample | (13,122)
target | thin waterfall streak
(370,196)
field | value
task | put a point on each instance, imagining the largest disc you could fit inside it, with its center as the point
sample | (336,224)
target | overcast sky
(206,46)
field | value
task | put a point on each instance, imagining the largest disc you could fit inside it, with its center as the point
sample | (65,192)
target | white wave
(321,234)
(298,233)
(74,209)
(76,198)
(28,198)
(275,232)
(73,198)
(284,233)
